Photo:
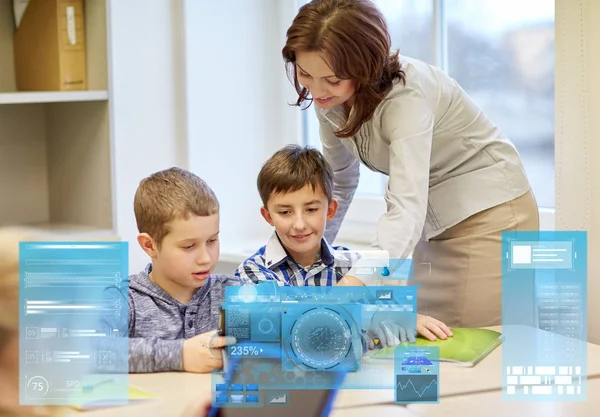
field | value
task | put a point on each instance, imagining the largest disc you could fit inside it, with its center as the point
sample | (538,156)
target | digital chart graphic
(417,372)
(416,388)
(64,311)
(322,337)
(544,306)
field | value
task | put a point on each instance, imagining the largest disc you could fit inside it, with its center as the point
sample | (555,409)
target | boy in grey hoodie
(174,303)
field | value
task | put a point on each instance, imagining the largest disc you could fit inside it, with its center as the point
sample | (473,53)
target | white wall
(199,84)
(237,116)
(146,103)
(577,87)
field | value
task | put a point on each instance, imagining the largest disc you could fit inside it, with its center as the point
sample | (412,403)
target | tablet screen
(298,403)
(262,387)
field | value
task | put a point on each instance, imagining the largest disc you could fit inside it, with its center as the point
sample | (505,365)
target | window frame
(360,223)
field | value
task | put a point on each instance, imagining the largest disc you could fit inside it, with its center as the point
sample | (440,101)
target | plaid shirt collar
(275,253)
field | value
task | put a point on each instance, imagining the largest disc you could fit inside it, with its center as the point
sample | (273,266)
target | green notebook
(466,348)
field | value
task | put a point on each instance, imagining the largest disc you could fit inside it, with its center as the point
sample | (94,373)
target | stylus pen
(221,331)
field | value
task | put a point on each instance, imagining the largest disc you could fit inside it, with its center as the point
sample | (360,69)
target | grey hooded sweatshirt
(158,324)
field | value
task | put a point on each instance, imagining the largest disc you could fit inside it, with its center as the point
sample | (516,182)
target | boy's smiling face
(300,217)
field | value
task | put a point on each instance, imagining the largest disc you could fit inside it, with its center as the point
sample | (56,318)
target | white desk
(490,404)
(455,380)
(374,411)
(176,389)
(179,389)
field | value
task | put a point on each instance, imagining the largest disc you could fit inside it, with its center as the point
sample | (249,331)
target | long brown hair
(354,36)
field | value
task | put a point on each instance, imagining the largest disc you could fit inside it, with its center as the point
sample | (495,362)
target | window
(502,54)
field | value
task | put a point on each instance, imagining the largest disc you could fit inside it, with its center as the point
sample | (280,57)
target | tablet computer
(262,386)
(221,332)
(299,403)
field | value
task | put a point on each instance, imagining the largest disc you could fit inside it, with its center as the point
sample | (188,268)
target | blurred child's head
(177,215)
(338,52)
(296,188)
(9,323)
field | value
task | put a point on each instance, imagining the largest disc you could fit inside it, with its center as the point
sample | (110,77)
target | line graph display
(417,389)
(417,372)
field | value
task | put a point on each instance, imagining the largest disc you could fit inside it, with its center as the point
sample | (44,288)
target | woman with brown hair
(455,181)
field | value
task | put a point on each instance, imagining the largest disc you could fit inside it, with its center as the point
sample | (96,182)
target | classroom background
(202,85)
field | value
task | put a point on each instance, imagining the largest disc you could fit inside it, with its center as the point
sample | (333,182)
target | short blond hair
(169,195)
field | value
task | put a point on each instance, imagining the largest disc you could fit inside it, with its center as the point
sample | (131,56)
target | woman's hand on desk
(203,353)
(431,328)
(390,328)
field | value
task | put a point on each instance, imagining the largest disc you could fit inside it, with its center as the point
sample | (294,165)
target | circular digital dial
(265,326)
(320,338)
(37,387)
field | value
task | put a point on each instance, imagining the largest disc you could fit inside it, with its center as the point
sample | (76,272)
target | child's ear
(147,244)
(332,209)
(266,215)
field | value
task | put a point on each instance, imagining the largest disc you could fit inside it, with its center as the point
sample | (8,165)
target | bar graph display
(63,307)
(544,290)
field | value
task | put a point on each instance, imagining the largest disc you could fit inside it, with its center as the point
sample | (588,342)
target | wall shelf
(55,146)
(52,97)
(69,232)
